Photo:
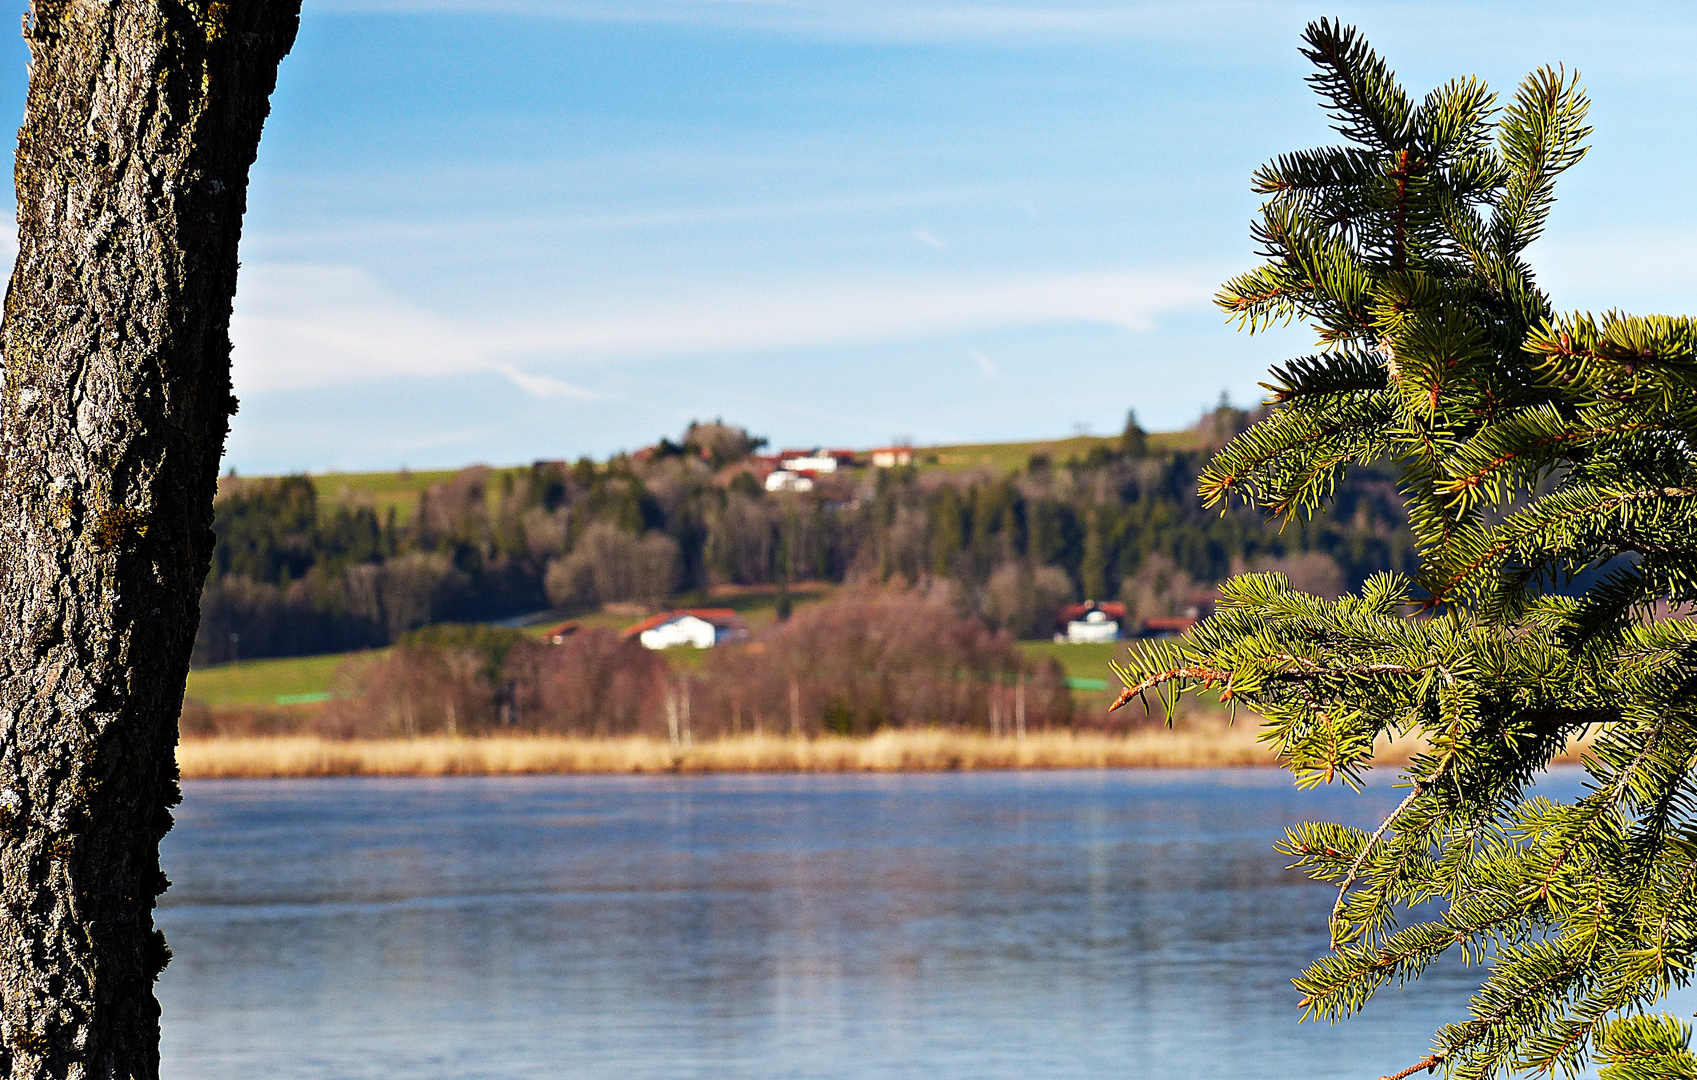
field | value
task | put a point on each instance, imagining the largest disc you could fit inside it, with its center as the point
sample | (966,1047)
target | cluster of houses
(800,470)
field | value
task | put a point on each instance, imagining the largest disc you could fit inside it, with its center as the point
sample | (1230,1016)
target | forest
(293,576)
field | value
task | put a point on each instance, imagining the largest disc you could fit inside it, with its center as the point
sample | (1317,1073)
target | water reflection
(937,926)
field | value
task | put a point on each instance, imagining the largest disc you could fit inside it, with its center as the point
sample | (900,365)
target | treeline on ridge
(292,577)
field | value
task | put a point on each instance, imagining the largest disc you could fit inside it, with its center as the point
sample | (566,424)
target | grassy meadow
(300,680)
(1012,456)
(1081,662)
(289,680)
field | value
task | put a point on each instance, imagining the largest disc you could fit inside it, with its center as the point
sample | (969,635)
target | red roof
(759,467)
(1113,609)
(565,629)
(716,616)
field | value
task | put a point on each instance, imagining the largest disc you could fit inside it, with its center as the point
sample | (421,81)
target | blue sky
(500,230)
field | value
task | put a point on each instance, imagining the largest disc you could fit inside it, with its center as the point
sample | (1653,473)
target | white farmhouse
(1095,626)
(700,628)
(1091,621)
(785,480)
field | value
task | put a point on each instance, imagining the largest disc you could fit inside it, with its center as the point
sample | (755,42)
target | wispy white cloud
(930,239)
(542,386)
(305,326)
(299,326)
(756,317)
(296,327)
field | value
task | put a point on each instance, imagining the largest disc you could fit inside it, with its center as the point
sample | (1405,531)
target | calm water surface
(1030,925)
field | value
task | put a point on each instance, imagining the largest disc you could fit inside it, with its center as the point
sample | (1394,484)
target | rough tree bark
(142,119)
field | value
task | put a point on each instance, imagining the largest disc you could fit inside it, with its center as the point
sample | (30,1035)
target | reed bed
(888,751)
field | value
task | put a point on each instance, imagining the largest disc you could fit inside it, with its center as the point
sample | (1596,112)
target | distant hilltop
(400,488)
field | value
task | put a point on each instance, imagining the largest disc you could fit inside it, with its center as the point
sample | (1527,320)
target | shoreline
(925,750)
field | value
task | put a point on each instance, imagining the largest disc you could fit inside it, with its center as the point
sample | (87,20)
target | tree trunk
(142,120)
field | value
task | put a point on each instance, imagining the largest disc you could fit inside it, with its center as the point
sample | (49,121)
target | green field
(1012,456)
(397,491)
(293,679)
(757,604)
(1082,663)
(384,491)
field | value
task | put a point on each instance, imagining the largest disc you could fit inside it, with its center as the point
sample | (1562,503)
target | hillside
(399,490)
(347,561)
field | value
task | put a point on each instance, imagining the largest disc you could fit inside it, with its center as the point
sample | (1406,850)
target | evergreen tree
(1532,448)
(1134,441)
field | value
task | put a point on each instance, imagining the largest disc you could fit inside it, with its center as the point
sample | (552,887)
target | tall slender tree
(142,119)
(1549,464)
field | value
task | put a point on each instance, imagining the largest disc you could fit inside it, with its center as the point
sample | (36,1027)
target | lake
(936,926)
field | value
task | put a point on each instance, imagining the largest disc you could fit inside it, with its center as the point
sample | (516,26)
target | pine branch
(1646,1048)
(1531,451)
(1368,107)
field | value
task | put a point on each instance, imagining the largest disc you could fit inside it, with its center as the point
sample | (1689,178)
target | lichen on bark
(142,120)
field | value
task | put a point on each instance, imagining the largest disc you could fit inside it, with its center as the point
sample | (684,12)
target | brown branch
(1361,860)
(1420,788)
(1430,1063)
(1202,674)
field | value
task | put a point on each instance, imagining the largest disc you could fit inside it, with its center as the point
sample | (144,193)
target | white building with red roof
(700,628)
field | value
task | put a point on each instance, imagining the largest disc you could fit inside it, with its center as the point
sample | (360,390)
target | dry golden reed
(888,751)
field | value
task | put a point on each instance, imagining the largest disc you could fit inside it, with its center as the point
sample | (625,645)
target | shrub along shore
(910,750)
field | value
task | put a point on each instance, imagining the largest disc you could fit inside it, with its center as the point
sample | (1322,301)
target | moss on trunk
(142,120)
